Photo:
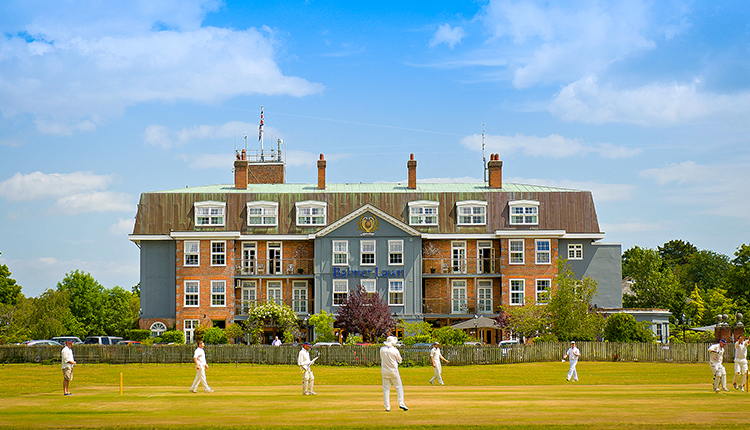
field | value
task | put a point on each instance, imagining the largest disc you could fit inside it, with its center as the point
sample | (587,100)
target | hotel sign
(346,272)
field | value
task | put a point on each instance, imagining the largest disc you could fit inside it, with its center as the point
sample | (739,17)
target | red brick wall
(529,271)
(267,173)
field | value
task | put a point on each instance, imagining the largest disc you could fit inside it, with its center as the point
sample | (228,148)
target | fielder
(304,363)
(199,357)
(740,363)
(389,361)
(715,358)
(572,356)
(435,357)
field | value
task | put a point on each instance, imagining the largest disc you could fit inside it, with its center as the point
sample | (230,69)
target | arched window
(158,328)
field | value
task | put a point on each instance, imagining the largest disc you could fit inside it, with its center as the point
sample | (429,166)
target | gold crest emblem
(368,224)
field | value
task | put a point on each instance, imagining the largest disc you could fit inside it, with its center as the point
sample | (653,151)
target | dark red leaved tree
(366,314)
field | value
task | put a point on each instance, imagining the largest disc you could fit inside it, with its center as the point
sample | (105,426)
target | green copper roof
(369,188)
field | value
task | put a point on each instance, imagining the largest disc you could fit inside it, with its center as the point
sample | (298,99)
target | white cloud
(601,192)
(554,146)
(122,227)
(655,104)
(232,132)
(105,201)
(82,70)
(38,185)
(158,135)
(549,42)
(629,227)
(449,36)
(718,190)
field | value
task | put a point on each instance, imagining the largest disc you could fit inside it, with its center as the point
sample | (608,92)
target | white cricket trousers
(395,379)
(572,372)
(200,378)
(438,376)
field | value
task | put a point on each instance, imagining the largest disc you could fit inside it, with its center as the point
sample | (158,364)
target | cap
(436,343)
(722,341)
(573,342)
(306,343)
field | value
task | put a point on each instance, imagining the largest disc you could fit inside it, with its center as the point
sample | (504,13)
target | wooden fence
(365,355)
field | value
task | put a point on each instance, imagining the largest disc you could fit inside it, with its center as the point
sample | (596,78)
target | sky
(644,103)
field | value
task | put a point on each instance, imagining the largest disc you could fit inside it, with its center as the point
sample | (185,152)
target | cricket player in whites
(572,356)
(435,357)
(304,363)
(715,358)
(740,363)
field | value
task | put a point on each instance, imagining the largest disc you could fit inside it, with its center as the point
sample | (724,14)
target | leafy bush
(323,323)
(173,336)
(137,334)
(353,339)
(420,338)
(622,327)
(450,336)
(215,336)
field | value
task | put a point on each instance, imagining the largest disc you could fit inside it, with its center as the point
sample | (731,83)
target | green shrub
(215,336)
(353,339)
(450,336)
(137,334)
(173,336)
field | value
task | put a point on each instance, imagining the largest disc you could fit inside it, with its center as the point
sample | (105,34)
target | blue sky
(645,103)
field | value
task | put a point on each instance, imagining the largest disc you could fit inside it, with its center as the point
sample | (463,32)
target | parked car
(507,345)
(62,339)
(325,344)
(128,342)
(473,343)
(102,340)
(422,345)
(42,343)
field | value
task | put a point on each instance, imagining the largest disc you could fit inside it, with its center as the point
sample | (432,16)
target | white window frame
(471,212)
(266,214)
(517,295)
(458,256)
(192,248)
(396,252)
(157,328)
(364,250)
(542,256)
(340,292)
(575,251)
(543,286)
(191,294)
(311,213)
(249,298)
(249,257)
(423,212)
(210,213)
(523,212)
(215,255)
(484,300)
(218,293)
(188,327)
(275,264)
(514,253)
(274,292)
(459,298)
(299,297)
(342,252)
(369,285)
(396,292)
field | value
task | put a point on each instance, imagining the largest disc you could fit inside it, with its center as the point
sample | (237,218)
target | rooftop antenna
(484,157)
(260,133)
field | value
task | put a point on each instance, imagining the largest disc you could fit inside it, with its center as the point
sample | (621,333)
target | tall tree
(676,252)
(738,280)
(86,300)
(365,313)
(570,311)
(119,315)
(706,269)
(655,284)
(529,320)
(9,290)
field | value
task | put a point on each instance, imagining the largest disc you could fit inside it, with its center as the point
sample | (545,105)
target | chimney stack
(240,171)
(495,166)
(412,166)
(321,173)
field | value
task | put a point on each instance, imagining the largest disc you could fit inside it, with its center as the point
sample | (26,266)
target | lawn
(532,395)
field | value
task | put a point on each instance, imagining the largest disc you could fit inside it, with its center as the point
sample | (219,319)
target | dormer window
(423,212)
(524,212)
(471,212)
(262,214)
(311,213)
(210,214)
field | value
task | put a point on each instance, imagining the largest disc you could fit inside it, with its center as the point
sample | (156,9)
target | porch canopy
(481,322)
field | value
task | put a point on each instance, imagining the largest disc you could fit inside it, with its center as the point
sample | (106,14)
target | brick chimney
(495,166)
(240,171)
(412,166)
(321,173)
